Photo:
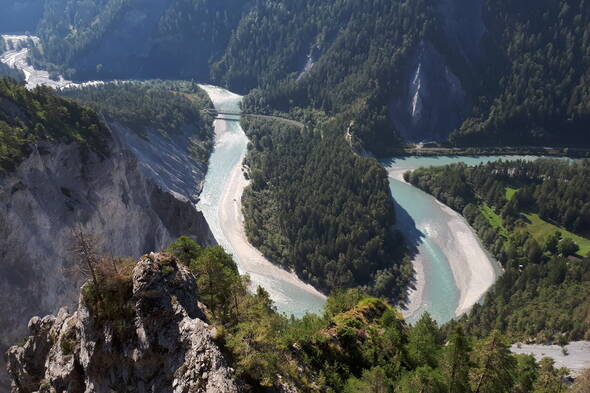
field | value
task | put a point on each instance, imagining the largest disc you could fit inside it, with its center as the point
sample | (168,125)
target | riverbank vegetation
(535,218)
(30,116)
(314,207)
(360,344)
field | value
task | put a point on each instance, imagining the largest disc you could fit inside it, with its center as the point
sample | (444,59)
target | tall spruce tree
(456,363)
(495,366)
(423,342)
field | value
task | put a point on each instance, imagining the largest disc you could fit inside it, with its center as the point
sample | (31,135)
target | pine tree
(423,342)
(550,379)
(495,366)
(455,363)
(422,380)
(526,374)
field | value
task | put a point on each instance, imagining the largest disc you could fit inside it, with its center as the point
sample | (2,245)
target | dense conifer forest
(529,87)
(317,209)
(535,218)
(40,115)
(535,90)
(167,107)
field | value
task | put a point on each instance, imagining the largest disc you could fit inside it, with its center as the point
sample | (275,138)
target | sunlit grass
(494,219)
(541,229)
(510,192)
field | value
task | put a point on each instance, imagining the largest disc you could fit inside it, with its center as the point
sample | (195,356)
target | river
(453,270)
(221,205)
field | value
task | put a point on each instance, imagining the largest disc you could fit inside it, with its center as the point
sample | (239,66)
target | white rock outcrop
(167,347)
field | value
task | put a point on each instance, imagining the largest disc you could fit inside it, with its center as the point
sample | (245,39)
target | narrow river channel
(221,204)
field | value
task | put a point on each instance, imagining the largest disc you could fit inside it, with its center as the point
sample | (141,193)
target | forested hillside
(358,51)
(166,107)
(535,218)
(518,72)
(29,116)
(314,207)
(20,16)
(128,39)
(535,89)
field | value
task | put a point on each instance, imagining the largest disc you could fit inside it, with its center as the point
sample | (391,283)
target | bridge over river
(222,115)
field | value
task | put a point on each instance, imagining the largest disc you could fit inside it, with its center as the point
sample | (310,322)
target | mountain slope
(535,86)
(128,39)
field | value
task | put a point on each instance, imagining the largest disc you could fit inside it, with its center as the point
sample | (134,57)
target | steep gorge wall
(59,187)
(441,75)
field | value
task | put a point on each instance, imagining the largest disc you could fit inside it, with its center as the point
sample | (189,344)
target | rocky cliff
(433,103)
(168,346)
(62,186)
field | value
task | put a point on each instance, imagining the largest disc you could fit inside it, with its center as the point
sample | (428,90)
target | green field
(510,192)
(494,219)
(540,229)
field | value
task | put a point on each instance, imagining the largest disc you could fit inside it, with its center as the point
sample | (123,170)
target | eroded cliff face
(166,159)
(441,78)
(433,102)
(167,347)
(60,187)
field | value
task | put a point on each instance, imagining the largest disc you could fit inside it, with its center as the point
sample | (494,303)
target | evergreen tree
(456,363)
(550,380)
(526,374)
(495,366)
(423,342)
(423,380)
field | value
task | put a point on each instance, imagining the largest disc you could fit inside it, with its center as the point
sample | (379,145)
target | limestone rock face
(433,102)
(168,347)
(60,187)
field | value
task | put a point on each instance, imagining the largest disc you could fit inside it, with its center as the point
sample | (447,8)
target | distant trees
(167,107)
(534,89)
(188,34)
(568,247)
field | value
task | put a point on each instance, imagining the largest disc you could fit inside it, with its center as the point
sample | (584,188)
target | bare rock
(167,347)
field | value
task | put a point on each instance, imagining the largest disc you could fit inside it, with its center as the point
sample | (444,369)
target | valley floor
(251,260)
